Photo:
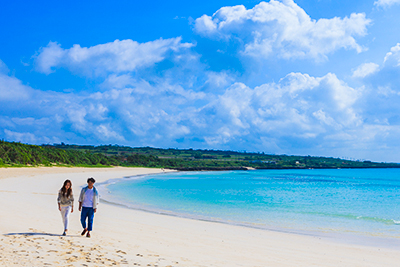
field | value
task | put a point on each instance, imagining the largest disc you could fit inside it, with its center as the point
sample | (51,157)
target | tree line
(18,154)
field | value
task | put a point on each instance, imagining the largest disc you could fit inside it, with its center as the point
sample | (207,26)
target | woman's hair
(64,191)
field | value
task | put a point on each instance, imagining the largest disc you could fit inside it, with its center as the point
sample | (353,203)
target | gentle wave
(356,217)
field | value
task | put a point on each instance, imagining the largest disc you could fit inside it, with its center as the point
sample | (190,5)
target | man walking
(88,200)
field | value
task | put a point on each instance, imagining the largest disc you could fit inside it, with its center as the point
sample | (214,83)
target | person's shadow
(38,234)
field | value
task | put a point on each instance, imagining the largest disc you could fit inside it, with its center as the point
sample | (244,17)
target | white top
(88,199)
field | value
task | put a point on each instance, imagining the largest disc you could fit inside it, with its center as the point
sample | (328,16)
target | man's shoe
(84,232)
(88,234)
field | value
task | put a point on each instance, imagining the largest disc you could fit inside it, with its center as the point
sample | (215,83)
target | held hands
(95,210)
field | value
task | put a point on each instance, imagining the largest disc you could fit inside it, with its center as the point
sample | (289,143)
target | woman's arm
(59,200)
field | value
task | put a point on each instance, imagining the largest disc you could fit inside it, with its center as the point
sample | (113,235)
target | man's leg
(84,214)
(90,218)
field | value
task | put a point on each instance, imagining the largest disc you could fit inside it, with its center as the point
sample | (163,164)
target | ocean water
(363,202)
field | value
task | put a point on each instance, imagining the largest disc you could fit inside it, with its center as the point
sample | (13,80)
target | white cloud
(283,28)
(117,81)
(12,89)
(298,105)
(387,91)
(299,114)
(114,57)
(20,137)
(50,56)
(365,69)
(218,79)
(147,110)
(105,133)
(324,118)
(76,115)
(392,58)
(386,3)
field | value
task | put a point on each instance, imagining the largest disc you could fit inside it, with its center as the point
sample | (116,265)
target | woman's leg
(65,212)
(66,217)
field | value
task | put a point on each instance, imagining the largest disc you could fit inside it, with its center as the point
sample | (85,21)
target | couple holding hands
(88,200)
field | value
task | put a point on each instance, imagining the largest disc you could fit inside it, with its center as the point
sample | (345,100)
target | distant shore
(18,154)
(30,234)
(277,168)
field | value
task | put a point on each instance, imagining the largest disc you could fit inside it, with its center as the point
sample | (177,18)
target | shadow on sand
(38,234)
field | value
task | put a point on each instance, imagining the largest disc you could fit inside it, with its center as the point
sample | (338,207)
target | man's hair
(91,179)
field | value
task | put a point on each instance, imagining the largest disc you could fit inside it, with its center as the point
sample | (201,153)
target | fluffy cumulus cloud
(114,57)
(283,29)
(386,3)
(299,106)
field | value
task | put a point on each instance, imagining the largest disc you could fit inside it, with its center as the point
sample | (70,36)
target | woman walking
(66,203)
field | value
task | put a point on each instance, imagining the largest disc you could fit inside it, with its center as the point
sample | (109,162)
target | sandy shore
(30,228)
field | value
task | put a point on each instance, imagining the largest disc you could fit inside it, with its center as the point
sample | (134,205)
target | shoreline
(337,236)
(30,235)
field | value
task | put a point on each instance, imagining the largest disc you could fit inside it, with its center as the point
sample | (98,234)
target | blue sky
(306,77)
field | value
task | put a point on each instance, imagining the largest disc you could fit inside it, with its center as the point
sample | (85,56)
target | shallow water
(357,201)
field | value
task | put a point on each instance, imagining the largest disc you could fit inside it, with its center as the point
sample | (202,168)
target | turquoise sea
(362,202)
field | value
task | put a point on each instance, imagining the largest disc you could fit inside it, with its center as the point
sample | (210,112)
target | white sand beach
(31,227)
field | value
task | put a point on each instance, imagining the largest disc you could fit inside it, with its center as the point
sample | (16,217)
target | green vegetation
(17,154)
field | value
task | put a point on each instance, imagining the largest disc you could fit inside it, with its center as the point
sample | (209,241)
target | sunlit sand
(31,228)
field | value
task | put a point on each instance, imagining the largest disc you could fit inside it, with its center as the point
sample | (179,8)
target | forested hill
(17,154)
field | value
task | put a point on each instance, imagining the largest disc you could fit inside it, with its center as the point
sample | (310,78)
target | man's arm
(81,198)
